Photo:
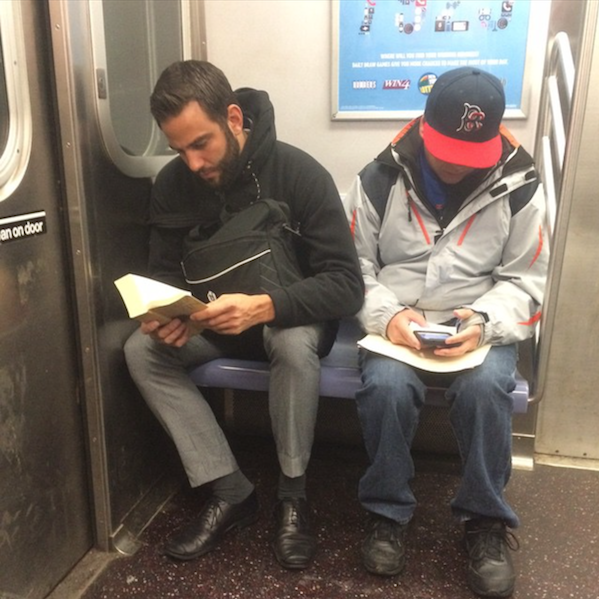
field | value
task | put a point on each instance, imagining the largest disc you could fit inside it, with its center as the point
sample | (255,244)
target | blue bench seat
(340,375)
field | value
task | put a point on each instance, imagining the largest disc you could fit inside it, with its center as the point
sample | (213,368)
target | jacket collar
(405,148)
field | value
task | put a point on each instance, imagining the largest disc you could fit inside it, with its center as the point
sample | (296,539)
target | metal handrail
(562,54)
(549,183)
(558,128)
(551,149)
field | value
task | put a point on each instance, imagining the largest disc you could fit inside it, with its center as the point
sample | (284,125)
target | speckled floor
(558,556)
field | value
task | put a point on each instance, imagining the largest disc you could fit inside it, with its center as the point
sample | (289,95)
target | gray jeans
(161,375)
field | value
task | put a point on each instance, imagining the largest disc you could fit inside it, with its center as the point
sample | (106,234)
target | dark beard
(230,165)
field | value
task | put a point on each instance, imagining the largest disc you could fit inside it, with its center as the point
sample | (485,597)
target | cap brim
(465,153)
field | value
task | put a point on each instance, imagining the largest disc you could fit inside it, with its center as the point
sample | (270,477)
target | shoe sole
(243,523)
(290,565)
(472,583)
(380,570)
(503,594)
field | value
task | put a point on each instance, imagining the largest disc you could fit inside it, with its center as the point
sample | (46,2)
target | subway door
(45,520)
(107,57)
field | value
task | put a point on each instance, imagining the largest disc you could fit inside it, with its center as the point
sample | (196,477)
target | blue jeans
(389,405)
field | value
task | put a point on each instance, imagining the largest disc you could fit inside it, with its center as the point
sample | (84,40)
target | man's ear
(421,126)
(235,118)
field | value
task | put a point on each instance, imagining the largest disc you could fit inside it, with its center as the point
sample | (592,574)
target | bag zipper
(229,269)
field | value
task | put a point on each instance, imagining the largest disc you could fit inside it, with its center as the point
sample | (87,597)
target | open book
(147,300)
(424,359)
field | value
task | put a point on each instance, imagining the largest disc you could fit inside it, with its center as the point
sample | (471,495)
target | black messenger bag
(251,253)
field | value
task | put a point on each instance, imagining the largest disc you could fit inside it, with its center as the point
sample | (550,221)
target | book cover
(149,300)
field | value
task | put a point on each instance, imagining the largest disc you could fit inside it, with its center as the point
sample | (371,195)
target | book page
(423,359)
(141,294)
(149,300)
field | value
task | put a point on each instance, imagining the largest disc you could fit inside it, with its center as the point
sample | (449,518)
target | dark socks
(232,488)
(291,488)
(235,487)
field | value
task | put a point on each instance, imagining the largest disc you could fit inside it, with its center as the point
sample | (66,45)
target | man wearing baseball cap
(449,225)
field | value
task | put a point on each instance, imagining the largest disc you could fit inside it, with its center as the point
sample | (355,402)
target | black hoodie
(333,287)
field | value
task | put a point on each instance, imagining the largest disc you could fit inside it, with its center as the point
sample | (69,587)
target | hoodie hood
(259,118)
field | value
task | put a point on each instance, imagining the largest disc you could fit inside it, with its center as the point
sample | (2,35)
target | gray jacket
(491,256)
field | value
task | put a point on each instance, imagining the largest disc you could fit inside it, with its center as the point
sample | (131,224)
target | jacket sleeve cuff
(388,318)
(282,306)
(478,318)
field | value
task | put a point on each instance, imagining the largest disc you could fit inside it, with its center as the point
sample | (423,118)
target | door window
(15,110)
(4,113)
(134,42)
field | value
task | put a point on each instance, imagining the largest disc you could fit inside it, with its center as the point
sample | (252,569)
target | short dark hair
(188,81)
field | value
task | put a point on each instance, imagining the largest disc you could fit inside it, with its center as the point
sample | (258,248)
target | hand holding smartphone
(434,339)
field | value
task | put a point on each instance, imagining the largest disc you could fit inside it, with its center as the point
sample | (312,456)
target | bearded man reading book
(229,157)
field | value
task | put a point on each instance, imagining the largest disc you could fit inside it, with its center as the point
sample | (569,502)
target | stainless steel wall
(130,456)
(569,410)
(44,497)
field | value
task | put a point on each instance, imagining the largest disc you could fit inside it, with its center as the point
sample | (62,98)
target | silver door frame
(128,486)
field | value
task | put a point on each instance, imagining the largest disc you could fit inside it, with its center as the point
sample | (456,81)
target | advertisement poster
(388,53)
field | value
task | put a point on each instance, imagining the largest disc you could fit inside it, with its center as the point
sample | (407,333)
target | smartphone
(433,339)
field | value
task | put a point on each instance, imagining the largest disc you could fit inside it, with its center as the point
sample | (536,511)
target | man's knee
(388,377)
(387,402)
(138,349)
(492,382)
(134,347)
(389,398)
(482,392)
(295,345)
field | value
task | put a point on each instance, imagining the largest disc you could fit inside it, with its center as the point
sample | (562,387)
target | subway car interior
(90,484)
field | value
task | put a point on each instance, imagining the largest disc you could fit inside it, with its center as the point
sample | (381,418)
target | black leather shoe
(490,569)
(216,518)
(384,549)
(294,545)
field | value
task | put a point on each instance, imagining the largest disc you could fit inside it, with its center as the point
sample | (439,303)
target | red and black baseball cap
(462,118)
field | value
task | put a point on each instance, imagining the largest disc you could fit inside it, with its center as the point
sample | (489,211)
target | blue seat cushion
(340,375)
